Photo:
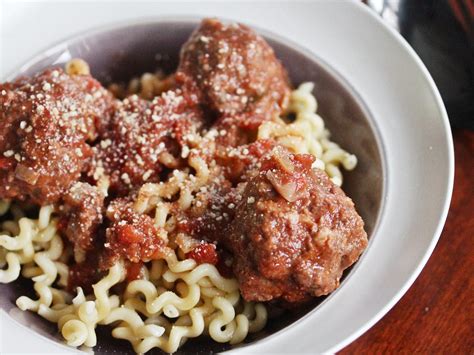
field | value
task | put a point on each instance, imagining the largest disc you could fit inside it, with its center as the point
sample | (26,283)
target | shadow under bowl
(119,53)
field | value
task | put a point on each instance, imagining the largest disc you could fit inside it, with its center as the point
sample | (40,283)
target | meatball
(145,137)
(46,123)
(132,236)
(237,74)
(294,231)
(82,215)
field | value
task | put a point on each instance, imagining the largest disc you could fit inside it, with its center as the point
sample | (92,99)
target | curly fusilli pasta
(307,134)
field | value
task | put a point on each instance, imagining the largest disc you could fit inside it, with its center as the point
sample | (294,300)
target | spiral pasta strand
(307,134)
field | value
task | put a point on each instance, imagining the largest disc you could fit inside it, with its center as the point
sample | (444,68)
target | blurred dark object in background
(442,33)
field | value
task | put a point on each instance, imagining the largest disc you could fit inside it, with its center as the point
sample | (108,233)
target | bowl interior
(123,52)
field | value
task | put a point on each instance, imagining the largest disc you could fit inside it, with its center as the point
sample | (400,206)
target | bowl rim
(448,186)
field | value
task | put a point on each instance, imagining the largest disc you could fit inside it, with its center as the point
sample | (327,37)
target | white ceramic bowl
(410,123)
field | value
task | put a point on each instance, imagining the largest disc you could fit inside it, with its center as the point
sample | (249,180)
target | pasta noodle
(172,291)
(307,134)
(147,86)
(77,66)
(177,299)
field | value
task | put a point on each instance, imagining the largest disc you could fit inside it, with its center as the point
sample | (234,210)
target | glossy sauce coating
(132,236)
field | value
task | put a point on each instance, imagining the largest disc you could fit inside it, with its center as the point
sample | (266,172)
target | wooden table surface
(436,315)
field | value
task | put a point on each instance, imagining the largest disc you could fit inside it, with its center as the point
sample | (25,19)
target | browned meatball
(144,137)
(131,235)
(82,215)
(237,73)
(294,231)
(45,122)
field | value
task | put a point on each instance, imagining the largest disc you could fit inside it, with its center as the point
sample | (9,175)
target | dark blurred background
(442,33)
